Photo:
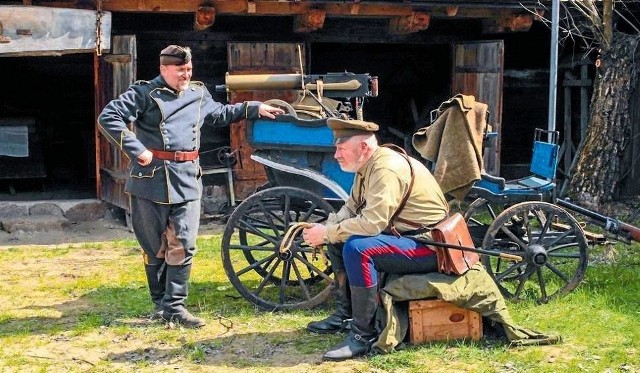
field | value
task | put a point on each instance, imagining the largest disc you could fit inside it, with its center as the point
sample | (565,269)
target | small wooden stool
(437,320)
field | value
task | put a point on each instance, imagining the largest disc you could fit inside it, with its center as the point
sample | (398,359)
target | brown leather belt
(177,156)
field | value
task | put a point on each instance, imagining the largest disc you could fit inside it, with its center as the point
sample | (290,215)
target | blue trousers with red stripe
(365,256)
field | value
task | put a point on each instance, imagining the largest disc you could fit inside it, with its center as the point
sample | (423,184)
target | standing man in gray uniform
(165,180)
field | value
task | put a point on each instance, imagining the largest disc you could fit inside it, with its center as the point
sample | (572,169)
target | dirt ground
(109,229)
(87,231)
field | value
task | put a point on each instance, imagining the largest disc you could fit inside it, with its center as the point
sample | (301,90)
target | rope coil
(290,235)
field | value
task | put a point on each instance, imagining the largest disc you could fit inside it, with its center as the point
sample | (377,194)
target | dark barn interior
(55,96)
(413,71)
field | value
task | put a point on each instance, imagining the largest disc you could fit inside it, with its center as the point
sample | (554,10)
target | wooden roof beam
(469,12)
(354,8)
(270,7)
(243,7)
(345,8)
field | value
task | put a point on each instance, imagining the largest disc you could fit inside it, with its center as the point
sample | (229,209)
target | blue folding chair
(538,186)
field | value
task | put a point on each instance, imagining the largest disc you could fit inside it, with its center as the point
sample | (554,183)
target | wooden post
(566,149)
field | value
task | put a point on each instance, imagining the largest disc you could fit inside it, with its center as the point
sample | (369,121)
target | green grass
(82,309)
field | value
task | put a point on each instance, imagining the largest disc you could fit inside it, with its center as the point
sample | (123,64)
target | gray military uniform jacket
(166,120)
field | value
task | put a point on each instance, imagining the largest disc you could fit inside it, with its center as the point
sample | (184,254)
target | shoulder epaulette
(142,82)
(197,82)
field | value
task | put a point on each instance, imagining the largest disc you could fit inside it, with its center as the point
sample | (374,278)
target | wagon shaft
(593,238)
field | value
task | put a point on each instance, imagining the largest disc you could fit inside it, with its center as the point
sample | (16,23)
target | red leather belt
(177,156)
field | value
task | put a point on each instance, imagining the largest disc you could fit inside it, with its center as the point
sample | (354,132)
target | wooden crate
(437,320)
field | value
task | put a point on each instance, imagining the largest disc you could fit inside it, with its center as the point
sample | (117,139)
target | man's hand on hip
(145,158)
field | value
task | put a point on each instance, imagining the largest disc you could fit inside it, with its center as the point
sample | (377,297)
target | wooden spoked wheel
(550,240)
(254,262)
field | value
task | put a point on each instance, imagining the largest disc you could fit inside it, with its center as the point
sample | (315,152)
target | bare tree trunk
(595,178)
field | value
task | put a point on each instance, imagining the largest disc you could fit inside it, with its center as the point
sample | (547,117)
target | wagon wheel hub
(288,244)
(286,254)
(536,255)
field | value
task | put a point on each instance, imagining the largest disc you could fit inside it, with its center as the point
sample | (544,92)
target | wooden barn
(63,60)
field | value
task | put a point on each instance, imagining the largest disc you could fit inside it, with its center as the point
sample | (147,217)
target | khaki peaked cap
(346,128)
(175,55)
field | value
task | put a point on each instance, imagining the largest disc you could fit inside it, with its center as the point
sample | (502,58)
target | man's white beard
(355,166)
(348,169)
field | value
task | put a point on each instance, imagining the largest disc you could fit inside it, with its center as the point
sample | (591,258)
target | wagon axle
(536,255)
(285,255)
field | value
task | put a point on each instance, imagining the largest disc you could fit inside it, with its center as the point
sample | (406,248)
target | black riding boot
(363,332)
(177,289)
(156,278)
(339,320)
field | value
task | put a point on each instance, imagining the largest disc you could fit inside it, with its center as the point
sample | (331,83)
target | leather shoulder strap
(408,192)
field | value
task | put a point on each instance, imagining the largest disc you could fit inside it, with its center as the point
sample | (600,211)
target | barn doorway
(53,103)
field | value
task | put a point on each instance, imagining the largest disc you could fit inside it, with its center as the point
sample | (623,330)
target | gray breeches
(166,232)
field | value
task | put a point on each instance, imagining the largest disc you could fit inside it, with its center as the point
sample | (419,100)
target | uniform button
(139,173)
(168,147)
(194,131)
(193,139)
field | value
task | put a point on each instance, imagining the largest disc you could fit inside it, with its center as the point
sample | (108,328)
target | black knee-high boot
(177,289)
(364,302)
(339,320)
(156,278)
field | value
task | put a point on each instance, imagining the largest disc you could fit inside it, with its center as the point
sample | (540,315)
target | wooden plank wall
(477,71)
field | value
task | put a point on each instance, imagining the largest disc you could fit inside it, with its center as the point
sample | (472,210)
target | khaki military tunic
(377,192)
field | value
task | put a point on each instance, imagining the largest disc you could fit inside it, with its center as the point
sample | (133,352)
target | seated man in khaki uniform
(392,195)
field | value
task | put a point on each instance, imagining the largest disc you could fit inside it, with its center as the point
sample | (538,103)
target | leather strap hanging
(395,217)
